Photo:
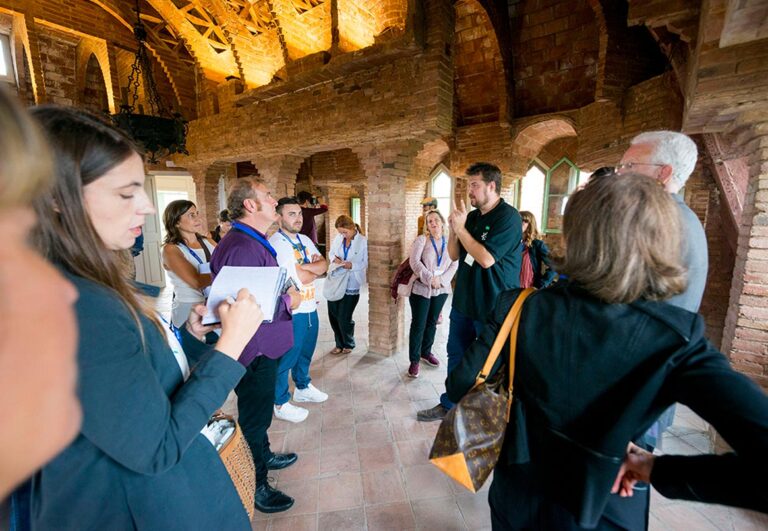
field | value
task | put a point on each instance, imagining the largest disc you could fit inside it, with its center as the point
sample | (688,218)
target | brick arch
(479,80)
(532,138)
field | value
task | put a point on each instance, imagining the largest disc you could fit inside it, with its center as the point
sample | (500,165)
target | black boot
(278,461)
(269,500)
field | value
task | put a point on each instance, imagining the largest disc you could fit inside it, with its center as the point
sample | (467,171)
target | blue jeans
(462,333)
(297,360)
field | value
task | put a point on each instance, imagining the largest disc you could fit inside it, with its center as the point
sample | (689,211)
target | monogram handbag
(236,456)
(468,443)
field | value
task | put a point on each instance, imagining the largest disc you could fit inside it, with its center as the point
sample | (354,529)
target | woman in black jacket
(585,389)
(535,255)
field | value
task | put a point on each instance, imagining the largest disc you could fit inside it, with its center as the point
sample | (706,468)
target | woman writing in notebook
(186,257)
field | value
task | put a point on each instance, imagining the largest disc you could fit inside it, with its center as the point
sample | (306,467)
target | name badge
(469,260)
(204,269)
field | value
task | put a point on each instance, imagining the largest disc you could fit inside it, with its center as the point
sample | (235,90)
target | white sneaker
(290,413)
(310,394)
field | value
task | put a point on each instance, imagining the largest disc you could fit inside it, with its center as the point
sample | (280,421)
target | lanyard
(176,331)
(256,236)
(442,250)
(346,249)
(300,247)
(193,253)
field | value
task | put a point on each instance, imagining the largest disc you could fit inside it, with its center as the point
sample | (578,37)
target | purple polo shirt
(271,339)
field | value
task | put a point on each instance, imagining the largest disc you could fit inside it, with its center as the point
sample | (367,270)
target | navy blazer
(584,390)
(140,461)
(539,255)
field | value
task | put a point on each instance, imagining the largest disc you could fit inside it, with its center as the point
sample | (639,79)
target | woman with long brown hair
(146,388)
(349,258)
(186,257)
(536,268)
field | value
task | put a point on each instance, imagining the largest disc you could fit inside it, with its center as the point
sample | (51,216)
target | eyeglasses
(627,166)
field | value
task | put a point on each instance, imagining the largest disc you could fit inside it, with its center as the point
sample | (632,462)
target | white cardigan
(358,255)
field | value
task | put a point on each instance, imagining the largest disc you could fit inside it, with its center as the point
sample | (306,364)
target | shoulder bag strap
(513,349)
(513,318)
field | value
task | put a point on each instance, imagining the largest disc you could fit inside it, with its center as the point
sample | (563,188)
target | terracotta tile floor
(363,457)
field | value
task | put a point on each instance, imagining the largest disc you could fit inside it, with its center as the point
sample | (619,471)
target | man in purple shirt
(252,209)
(308,213)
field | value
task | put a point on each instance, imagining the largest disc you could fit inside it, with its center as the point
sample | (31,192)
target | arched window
(222,193)
(531,191)
(562,179)
(441,188)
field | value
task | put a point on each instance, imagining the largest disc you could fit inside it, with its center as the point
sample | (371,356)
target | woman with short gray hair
(618,357)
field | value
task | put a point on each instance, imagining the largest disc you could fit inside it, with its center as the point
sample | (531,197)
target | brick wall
(58,55)
(479,73)
(555,51)
(94,96)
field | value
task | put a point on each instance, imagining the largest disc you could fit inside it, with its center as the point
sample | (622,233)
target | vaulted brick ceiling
(254,39)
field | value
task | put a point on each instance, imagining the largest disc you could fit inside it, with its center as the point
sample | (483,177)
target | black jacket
(539,254)
(598,379)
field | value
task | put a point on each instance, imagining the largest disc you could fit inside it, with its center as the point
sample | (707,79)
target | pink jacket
(423,260)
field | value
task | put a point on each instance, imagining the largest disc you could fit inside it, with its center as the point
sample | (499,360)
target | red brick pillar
(745,337)
(386,168)
(279,173)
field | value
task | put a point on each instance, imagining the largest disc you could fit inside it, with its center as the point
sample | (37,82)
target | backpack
(403,275)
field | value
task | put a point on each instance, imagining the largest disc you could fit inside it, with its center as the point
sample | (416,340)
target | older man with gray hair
(670,158)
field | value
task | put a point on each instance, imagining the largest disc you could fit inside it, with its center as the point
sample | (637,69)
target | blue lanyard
(300,247)
(346,249)
(176,331)
(193,253)
(256,236)
(442,250)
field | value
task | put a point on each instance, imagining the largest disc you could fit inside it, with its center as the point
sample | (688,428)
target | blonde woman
(535,256)
(38,365)
(349,251)
(433,270)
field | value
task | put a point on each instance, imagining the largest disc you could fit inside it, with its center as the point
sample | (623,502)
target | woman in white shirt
(349,251)
(186,257)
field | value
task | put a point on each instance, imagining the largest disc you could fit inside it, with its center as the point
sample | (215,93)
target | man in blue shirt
(252,210)
(487,242)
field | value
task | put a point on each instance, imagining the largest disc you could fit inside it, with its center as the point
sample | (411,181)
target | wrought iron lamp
(162,132)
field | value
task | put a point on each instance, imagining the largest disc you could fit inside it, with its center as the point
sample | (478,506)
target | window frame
(434,174)
(356,210)
(8,59)
(573,179)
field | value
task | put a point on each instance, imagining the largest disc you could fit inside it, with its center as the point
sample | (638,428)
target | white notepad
(265,284)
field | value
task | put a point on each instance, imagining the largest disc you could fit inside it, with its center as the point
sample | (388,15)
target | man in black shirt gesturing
(487,242)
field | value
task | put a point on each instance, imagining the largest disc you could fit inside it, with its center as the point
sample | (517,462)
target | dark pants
(424,314)
(340,314)
(255,398)
(462,333)
(517,502)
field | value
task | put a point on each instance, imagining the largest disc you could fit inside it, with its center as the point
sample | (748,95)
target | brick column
(386,168)
(745,337)
(279,173)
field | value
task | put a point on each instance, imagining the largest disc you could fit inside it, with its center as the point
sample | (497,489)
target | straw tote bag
(236,456)
(468,443)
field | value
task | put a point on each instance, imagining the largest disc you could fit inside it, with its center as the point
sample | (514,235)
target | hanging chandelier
(161,132)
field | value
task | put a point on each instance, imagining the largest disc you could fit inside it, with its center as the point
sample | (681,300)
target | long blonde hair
(622,240)
(25,165)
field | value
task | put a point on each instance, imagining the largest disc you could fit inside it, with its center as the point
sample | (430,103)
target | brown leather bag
(468,443)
